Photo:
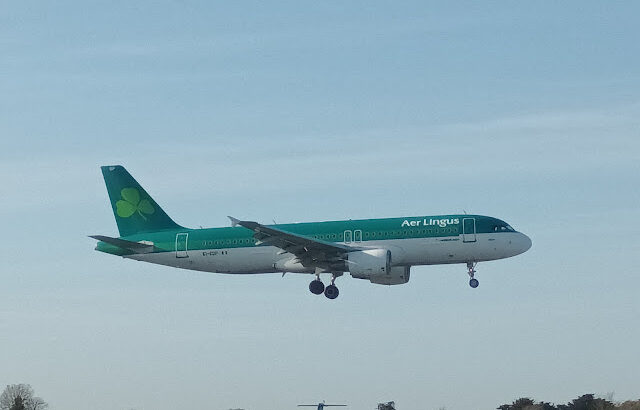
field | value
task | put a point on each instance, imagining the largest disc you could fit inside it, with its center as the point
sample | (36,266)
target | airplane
(321,406)
(381,251)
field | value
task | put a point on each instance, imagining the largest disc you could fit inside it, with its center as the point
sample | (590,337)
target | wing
(309,251)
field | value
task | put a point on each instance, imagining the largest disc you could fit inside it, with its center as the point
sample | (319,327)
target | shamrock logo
(131,203)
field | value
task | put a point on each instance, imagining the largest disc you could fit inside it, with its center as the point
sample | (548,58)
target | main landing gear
(317,287)
(473,282)
(331,291)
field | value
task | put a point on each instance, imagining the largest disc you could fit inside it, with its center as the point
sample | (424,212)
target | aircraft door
(348,237)
(468,229)
(181,245)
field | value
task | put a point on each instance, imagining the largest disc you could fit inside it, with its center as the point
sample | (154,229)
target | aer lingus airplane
(379,250)
(321,406)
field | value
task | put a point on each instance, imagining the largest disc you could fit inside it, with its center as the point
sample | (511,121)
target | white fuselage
(404,252)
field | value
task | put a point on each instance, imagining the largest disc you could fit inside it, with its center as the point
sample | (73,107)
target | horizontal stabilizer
(137,247)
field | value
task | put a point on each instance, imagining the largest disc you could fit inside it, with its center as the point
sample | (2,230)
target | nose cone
(521,244)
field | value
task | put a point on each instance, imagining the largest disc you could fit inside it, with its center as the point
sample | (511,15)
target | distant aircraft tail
(135,211)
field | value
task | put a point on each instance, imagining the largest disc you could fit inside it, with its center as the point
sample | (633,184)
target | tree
(630,405)
(525,403)
(520,404)
(20,397)
(588,402)
(18,404)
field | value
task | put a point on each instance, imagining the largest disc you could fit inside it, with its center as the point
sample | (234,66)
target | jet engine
(363,264)
(398,275)
(375,265)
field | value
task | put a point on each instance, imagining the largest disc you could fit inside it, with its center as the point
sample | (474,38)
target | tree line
(22,397)
(584,402)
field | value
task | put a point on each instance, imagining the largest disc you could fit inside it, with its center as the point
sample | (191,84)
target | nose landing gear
(473,282)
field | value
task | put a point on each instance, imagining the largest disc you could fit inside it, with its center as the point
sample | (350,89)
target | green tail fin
(134,209)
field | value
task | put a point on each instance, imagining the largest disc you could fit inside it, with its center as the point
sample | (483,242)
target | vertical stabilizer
(135,211)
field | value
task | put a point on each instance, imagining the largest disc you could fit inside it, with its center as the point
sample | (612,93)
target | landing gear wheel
(316,287)
(471,270)
(331,292)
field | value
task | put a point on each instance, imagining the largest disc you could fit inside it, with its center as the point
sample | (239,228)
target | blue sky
(294,111)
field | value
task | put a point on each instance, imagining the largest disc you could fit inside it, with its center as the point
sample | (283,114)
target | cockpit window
(503,228)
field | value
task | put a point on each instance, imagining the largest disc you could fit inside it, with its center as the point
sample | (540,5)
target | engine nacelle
(374,265)
(372,262)
(398,275)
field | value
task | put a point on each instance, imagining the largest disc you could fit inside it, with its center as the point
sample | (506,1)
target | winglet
(234,222)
